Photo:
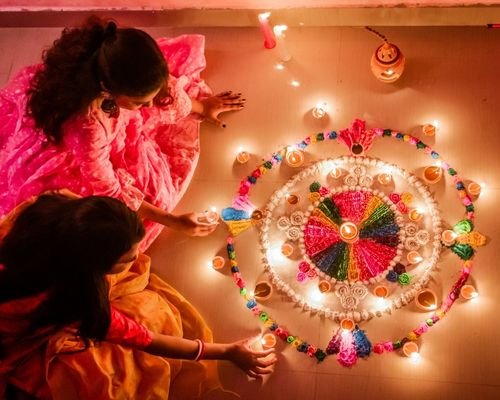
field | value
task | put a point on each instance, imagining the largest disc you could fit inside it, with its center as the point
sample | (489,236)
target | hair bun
(109,30)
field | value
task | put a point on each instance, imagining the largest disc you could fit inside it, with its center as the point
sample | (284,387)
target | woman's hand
(192,224)
(213,106)
(255,363)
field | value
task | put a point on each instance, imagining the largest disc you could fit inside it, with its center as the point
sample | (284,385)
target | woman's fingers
(262,371)
(252,374)
(263,363)
(225,93)
(263,353)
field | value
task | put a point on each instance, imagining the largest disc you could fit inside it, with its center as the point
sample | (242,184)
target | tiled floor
(452,74)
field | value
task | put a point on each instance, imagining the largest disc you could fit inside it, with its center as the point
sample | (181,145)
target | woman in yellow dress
(82,316)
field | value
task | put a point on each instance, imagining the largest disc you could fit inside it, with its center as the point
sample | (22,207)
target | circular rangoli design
(363,233)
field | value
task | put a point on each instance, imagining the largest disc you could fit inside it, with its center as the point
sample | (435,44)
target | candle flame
(315,295)
(279,29)
(265,15)
(294,83)
(382,303)
(279,66)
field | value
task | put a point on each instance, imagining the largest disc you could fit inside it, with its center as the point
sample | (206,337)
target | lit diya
(218,262)
(324,286)
(410,348)
(468,292)
(381,291)
(287,249)
(384,179)
(347,324)
(268,340)
(294,157)
(263,291)
(433,174)
(426,300)
(349,232)
(429,130)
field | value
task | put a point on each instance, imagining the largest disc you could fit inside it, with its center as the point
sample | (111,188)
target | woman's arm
(253,362)
(193,224)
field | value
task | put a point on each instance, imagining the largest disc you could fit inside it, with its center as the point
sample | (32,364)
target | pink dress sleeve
(127,332)
(90,142)
(179,107)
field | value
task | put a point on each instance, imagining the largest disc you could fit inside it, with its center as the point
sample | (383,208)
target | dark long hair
(64,247)
(87,60)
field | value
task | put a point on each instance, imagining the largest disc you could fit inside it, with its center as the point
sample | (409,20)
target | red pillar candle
(269,40)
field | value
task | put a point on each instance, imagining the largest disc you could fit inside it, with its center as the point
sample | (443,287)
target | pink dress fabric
(148,154)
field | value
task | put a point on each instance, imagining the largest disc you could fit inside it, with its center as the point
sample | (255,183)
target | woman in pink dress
(105,115)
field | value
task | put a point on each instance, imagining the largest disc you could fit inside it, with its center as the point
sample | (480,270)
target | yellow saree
(51,367)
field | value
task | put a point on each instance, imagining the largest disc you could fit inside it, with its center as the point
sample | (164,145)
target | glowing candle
(319,111)
(384,179)
(257,215)
(347,324)
(279,32)
(212,216)
(242,157)
(324,286)
(263,291)
(269,41)
(448,237)
(409,348)
(415,215)
(336,173)
(292,199)
(294,157)
(268,340)
(429,130)
(414,257)
(426,300)
(433,174)
(468,292)
(279,66)
(381,291)
(474,189)
(349,232)
(218,262)
(287,249)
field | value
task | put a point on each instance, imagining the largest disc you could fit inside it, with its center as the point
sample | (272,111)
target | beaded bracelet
(201,349)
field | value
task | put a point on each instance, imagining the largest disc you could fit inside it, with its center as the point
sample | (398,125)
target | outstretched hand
(222,102)
(192,224)
(255,363)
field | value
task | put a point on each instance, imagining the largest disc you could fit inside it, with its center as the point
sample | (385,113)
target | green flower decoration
(463,226)
(314,187)
(404,279)
(464,251)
